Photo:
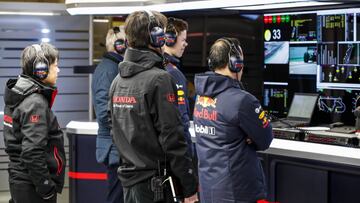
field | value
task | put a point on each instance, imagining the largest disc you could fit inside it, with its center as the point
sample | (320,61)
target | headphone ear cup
(120,46)
(235,64)
(157,37)
(170,39)
(40,70)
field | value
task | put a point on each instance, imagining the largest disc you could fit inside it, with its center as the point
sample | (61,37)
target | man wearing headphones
(33,138)
(146,124)
(105,72)
(175,44)
(230,127)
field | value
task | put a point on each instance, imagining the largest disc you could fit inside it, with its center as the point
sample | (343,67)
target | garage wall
(70,34)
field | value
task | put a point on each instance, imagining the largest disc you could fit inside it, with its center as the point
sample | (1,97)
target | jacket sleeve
(254,122)
(185,118)
(106,152)
(34,127)
(171,138)
(100,90)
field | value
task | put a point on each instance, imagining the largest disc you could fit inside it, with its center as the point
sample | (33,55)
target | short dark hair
(29,54)
(219,52)
(176,25)
(137,27)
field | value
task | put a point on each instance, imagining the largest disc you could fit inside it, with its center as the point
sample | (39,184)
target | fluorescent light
(276,83)
(97,7)
(45,30)
(27,13)
(102,10)
(45,39)
(100,20)
(284,5)
(101,1)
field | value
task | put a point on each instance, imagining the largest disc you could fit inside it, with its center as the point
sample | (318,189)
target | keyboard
(288,124)
(343,129)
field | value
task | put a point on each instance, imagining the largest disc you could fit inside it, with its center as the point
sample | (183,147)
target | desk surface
(291,148)
(315,151)
(82,128)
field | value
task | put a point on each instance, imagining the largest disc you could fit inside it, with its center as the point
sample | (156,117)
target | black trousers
(115,190)
(25,193)
(141,193)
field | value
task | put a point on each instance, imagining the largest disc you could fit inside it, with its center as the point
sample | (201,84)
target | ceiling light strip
(28,13)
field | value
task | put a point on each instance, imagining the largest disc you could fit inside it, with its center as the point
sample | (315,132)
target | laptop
(300,112)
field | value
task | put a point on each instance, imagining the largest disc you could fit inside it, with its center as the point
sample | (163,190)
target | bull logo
(206,101)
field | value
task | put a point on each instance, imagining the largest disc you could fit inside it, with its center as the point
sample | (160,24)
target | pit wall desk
(87,178)
(296,171)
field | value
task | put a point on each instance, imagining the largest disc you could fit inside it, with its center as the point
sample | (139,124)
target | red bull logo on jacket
(262,116)
(205,114)
(181,97)
(205,101)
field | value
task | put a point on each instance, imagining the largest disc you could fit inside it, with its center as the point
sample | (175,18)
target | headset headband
(231,45)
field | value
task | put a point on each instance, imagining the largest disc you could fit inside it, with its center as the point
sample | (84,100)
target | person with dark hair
(175,44)
(230,126)
(105,72)
(146,124)
(33,138)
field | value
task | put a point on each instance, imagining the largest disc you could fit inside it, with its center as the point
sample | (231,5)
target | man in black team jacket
(146,124)
(33,138)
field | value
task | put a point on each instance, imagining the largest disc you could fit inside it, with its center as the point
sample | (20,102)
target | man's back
(224,117)
(146,124)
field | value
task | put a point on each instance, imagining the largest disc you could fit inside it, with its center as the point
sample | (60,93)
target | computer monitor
(302,106)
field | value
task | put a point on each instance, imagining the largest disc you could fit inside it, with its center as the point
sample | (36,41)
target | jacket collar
(212,84)
(17,90)
(139,60)
(172,59)
(117,58)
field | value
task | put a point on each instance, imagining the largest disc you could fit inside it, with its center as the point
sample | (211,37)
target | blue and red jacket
(172,68)
(225,116)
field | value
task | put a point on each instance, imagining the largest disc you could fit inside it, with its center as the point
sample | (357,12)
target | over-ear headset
(40,64)
(170,34)
(234,61)
(157,36)
(119,44)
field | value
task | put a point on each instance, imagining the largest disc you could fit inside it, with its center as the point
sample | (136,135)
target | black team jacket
(33,138)
(146,123)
